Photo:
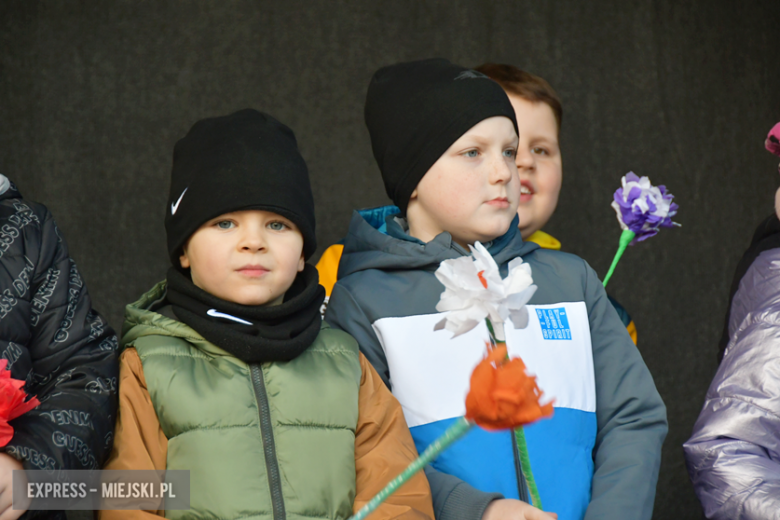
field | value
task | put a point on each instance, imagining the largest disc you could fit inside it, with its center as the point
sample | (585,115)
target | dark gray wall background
(93,96)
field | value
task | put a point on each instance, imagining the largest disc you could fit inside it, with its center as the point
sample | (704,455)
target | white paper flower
(474,291)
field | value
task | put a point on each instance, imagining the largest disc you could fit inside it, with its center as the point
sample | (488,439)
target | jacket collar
(367,248)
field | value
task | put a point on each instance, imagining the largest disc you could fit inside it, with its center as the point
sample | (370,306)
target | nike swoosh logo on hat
(216,314)
(175,206)
(471,74)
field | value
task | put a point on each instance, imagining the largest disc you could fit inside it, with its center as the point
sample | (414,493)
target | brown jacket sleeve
(139,442)
(383,449)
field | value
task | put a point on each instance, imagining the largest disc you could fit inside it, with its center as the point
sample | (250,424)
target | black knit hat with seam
(415,111)
(246,160)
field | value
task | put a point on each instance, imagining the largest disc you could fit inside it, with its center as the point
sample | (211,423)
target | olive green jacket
(272,440)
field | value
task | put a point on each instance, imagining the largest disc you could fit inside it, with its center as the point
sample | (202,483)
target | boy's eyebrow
(479,139)
(543,139)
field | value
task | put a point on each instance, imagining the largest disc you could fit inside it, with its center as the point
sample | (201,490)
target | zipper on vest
(522,485)
(269,449)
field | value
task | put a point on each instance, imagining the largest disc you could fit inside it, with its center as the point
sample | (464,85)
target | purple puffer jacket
(733,455)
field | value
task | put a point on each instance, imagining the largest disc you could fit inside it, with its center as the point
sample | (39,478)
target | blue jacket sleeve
(453,499)
(630,414)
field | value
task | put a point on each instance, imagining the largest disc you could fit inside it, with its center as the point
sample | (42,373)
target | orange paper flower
(12,402)
(502,395)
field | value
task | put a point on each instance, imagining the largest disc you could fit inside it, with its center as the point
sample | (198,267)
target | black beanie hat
(416,110)
(247,160)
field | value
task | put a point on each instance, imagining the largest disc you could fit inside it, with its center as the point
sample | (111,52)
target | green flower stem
(522,447)
(625,238)
(525,465)
(453,433)
(493,340)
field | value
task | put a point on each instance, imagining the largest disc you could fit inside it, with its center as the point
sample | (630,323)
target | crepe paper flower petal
(518,300)
(642,207)
(12,402)
(772,142)
(502,395)
(519,318)
(474,291)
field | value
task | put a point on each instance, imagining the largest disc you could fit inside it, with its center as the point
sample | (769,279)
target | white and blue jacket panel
(430,377)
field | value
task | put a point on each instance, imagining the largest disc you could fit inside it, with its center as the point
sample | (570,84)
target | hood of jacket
(366,247)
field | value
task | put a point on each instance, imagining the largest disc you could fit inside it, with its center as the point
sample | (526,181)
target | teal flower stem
(525,465)
(522,447)
(493,341)
(625,238)
(453,433)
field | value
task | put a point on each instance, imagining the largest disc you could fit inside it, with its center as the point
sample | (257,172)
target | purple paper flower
(642,207)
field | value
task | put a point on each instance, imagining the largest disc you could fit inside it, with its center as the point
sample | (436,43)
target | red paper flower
(12,402)
(502,395)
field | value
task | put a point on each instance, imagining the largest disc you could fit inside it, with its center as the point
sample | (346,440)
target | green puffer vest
(273,441)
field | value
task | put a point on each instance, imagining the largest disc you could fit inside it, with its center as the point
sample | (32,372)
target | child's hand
(7,465)
(509,509)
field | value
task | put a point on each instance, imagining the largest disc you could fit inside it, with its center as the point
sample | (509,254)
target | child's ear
(184,260)
(414,194)
(301,263)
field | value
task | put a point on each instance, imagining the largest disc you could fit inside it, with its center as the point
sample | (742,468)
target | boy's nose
(502,171)
(525,160)
(252,241)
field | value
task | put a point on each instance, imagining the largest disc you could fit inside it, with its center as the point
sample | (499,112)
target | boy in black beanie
(228,370)
(444,138)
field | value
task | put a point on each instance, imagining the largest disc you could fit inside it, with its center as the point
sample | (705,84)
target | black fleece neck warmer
(254,334)
(415,111)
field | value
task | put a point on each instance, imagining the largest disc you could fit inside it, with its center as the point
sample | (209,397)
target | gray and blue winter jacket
(597,457)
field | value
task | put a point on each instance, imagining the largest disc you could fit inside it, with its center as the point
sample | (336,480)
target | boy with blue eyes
(445,140)
(538,112)
(227,369)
